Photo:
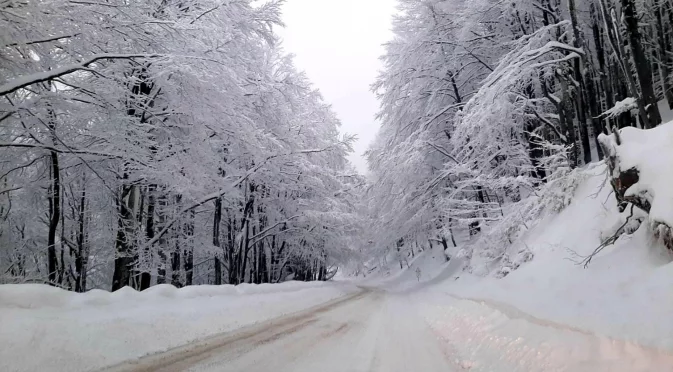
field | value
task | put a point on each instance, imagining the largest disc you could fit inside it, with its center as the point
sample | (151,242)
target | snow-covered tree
(488,106)
(164,142)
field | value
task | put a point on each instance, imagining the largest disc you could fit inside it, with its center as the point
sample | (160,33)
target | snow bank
(625,293)
(422,270)
(650,154)
(487,337)
(30,296)
(44,326)
(639,163)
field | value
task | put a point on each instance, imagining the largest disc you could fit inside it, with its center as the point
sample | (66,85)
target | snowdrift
(426,268)
(623,294)
(44,326)
(641,165)
(31,296)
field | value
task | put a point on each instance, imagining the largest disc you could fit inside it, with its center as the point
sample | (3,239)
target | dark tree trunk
(642,64)
(217,219)
(138,260)
(54,216)
(176,271)
(597,126)
(124,259)
(621,60)
(604,73)
(145,275)
(245,247)
(535,153)
(189,250)
(445,244)
(82,253)
(567,125)
(231,256)
(664,58)
(596,85)
(245,242)
(162,247)
(580,103)
(54,198)
(175,266)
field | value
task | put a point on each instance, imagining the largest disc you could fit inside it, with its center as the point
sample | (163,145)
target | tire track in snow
(180,358)
(500,337)
(514,312)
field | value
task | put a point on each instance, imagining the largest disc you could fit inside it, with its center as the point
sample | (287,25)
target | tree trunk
(82,253)
(581,107)
(54,216)
(617,45)
(642,64)
(145,275)
(245,243)
(189,250)
(162,247)
(124,256)
(54,202)
(664,58)
(176,274)
(217,219)
(175,266)
(604,73)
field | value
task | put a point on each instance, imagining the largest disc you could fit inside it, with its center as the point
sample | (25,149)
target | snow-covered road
(299,327)
(375,330)
(369,331)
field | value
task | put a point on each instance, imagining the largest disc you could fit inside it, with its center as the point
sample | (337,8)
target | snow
(372,333)
(499,339)
(622,298)
(421,270)
(550,314)
(38,77)
(625,105)
(44,326)
(651,152)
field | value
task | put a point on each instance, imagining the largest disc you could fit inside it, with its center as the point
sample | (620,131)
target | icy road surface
(368,331)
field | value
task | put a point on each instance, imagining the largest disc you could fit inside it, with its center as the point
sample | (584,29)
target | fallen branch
(586,260)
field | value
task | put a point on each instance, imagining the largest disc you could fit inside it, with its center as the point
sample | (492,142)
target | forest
(159,141)
(174,141)
(490,108)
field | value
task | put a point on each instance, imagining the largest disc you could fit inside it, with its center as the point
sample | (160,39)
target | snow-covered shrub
(508,264)
(492,246)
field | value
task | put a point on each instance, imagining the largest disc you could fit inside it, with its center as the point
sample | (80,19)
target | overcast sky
(337,43)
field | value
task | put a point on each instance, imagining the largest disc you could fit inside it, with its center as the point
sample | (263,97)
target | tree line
(164,141)
(488,107)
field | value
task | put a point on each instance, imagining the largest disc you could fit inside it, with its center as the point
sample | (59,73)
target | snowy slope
(623,294)
(420,270)
(44,326)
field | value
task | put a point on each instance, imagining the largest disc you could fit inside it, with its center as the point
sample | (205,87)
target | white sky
(338,43)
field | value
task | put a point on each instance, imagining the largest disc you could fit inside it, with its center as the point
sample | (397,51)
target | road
(368,331)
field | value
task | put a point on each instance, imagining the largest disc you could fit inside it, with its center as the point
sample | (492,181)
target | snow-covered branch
(43,76)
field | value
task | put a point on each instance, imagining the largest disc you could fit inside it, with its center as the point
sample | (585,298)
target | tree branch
(262,234)
(39,77)
(233,185)
(62,151)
